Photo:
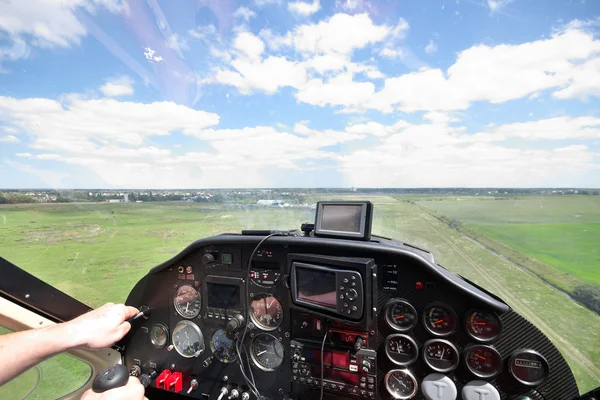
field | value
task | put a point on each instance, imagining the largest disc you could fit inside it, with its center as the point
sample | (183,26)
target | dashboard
(301,317)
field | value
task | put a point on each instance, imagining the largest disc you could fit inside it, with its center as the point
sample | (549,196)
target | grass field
(96,252)
(559,236)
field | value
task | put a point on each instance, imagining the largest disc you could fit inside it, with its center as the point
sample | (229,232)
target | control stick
(117,376)
(110,378)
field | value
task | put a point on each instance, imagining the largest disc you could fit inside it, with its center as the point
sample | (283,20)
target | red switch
(162,379)
(174,382)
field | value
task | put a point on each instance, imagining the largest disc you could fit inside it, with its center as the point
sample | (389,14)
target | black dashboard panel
(284,336)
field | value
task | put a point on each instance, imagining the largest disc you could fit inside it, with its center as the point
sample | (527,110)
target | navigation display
(342,217)
(223,296)
(316,286)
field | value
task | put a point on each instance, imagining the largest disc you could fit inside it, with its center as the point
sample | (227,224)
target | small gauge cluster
(441,320)
(440,355)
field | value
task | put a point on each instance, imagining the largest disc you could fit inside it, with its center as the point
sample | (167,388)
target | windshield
(130,128)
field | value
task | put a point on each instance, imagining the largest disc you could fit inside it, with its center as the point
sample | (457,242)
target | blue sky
(305,93)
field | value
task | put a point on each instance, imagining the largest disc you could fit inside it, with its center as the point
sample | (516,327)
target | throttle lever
(110,378)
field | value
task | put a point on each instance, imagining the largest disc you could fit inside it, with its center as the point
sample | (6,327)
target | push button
(440,387)
(480,390)
(352,294)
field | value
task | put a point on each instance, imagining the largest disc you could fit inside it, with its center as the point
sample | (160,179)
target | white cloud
(438,117)
(244,13)
(150,55)
(304,8)
(249,45)
(204,32)
(431,47)
(340,90)
(177,43)
(354,5)
(342,33)
(559,128)
(267,75)
(121,86)
(567,62)
(390,53)
(327,62)
(46,24)
(9,139)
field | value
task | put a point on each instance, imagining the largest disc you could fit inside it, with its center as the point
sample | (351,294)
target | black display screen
(316,286)
(223,296)
(341,217)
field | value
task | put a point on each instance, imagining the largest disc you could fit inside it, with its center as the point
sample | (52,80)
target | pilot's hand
(134,390)
(101,327)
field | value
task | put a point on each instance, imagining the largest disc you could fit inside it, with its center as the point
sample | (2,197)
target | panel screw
(251,294)
(374,275)
(280,391)
(225,378)
(287,334)
(41,322)
(372,333)
(172,366)
(27,296)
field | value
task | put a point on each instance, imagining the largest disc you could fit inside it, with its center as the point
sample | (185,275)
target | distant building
(270,203)
(126,198)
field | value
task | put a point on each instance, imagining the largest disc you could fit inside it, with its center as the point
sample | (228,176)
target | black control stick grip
(110,378)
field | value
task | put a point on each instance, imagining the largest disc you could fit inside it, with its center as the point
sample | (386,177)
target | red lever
(174,382)
(162,379)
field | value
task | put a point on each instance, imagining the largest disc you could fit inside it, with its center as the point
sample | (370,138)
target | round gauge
(401,349)
(439,319)
(401,384)
(483,361)
(400,315)
(223,347)
(188,339)
(159,334)
(266,312)
(528,367)
(266,352)
(440,355)
(483,326)
(187,302)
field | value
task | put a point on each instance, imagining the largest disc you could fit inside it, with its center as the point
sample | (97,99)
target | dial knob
(207,258)
(366,366)
(351,294)
(358,344)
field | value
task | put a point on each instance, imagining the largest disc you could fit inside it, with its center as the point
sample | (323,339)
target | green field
(96,252)
(556,237)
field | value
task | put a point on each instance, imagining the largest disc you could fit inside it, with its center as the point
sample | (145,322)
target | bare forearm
(20,351)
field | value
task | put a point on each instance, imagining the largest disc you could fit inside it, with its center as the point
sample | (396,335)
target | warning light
(419,285)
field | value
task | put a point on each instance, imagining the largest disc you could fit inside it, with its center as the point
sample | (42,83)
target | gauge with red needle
(483,361)
(401,315)
(483,325)
(440,319)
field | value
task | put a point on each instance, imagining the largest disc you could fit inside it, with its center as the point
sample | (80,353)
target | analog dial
(267,352)
(401,384)
(401,315)
(187,302)
(439,319)
(223,347)
(401,349)
(483,326)
(528,367)
(266,312)
(483,361)
(440,355)
(159,335)
(188,339)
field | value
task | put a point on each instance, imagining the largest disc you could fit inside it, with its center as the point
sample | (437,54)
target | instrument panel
(301,315)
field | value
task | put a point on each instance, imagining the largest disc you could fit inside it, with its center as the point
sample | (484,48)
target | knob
(135,370)
(366,366)
(193,386)
(223,393)
(351,294)
(110,378)
(235,323)
(234,394)
(296,356)
(207,258)
(245,396)
(358,344)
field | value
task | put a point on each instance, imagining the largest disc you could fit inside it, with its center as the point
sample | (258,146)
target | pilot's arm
(97,329)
